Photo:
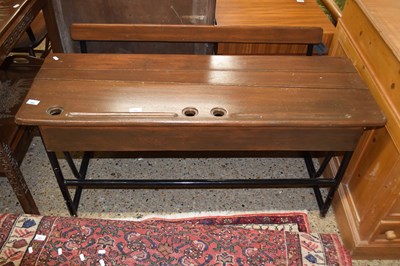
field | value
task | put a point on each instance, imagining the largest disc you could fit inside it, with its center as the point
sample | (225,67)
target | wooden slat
(276,71)
(199,62)
(217,77)
(195,33)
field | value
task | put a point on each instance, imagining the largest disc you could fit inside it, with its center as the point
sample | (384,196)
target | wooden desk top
(384,15)
(131,90)
(273,13)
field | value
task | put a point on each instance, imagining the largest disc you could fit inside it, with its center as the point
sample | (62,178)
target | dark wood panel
(192,138)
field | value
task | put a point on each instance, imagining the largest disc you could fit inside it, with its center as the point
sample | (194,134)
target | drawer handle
(390,235)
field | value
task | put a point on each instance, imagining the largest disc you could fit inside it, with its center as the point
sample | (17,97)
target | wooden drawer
(373,181)
(387,232)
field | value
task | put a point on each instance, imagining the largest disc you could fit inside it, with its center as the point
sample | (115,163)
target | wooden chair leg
(16,180)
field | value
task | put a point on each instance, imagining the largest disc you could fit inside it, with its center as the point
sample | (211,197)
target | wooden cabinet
(271,13)
(15,17)
(367,206)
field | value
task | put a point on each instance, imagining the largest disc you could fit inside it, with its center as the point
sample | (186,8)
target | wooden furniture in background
(231,13)
(61,14)
(271,13)
(10,167)
(34,36)
(368,205)
(15,18)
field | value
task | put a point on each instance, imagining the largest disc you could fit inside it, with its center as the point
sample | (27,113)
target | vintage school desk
(103,102)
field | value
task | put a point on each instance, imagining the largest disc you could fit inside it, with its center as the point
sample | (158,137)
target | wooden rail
(333,9)
(195,33)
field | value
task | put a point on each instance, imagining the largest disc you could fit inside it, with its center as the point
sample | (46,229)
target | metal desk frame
(314,181)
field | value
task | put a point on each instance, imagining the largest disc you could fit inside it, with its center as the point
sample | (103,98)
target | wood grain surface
(271,13)
(198,102)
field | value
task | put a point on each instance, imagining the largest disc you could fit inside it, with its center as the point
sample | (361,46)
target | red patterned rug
(249,239)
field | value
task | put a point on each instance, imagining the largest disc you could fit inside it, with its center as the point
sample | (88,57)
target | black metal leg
(313,182)
(61,183)
(324,205)
(80,175)
(310,49)
(338,178)
(83,47)
(313,174)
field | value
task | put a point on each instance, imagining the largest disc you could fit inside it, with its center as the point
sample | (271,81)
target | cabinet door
(374,185)
(388,230)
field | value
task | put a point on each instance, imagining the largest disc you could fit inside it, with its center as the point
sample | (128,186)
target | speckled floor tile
(108,203)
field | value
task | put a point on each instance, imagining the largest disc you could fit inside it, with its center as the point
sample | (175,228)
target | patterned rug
(249,239)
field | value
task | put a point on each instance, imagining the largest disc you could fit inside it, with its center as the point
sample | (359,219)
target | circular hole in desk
(218,112)
(55,110)
(190,111)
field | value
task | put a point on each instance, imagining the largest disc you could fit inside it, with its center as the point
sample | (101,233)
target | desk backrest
(195,33)
(61,14)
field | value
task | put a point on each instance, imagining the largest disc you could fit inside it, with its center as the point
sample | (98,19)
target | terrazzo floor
(139,203)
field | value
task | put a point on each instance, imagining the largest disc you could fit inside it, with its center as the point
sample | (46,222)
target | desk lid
(191,90)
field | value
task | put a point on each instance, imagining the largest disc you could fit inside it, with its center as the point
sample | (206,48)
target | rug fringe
(208,214)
